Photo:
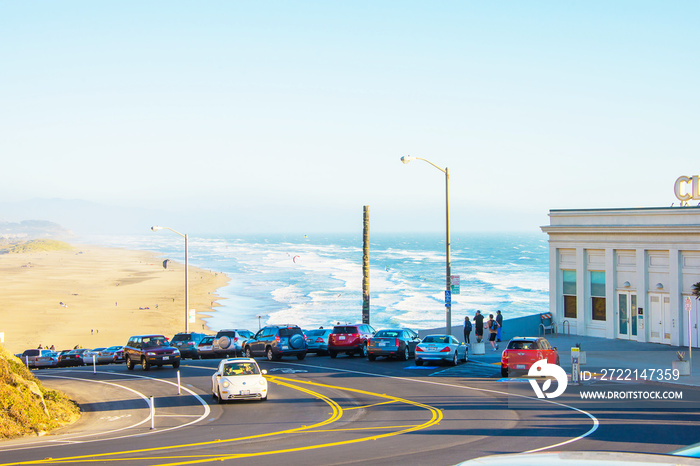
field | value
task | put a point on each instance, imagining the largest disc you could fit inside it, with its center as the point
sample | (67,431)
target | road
(340,411)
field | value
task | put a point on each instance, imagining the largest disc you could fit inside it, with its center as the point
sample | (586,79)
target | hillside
(29,408)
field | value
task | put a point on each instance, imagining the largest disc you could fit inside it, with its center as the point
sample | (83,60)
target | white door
(659,318)
(627,315)
(694,321)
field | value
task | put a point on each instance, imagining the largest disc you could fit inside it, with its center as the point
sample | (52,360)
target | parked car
(349,339)
(231,342)
(113,354)
(87,356)
(523,352)
(205,348)
(239,379)
(149,350)
(187,343)
(441,348)
(317,340)
(36,357)
(275,341)
(399,343)
(71,357)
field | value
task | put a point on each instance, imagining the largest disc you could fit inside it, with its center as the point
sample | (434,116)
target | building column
(610,287)
(675,289)
(642,296)
(581,291)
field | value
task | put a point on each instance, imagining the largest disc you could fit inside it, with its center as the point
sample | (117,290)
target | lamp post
(187,303)
(448,290)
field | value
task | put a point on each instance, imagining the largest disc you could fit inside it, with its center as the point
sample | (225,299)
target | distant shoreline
(96,296)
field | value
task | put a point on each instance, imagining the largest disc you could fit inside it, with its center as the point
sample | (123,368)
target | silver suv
(230,342)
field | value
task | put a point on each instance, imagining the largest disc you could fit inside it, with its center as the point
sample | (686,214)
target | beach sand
(95,296)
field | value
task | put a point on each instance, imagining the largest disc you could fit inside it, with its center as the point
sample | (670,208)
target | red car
(349,339)
(523,352)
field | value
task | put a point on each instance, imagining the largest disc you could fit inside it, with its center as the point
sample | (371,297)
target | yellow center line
(335,415)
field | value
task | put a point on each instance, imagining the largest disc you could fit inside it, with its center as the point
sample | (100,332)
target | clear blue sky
(292,115)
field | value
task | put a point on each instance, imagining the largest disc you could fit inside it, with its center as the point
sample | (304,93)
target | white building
(626,273)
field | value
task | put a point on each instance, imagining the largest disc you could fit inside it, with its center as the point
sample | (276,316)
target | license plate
(520,366)
(383,343)
(432,348)
(285,347)
(245,392)
(341,338)
(166,357)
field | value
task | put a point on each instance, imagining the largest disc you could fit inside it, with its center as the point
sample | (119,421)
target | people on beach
(492,325)
(479,326)
(467,329)
(499,319)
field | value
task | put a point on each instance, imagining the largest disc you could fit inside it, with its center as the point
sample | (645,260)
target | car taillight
(446,349)
(319,340)
(419,349)
(397,342)
(235,338)
(277,338)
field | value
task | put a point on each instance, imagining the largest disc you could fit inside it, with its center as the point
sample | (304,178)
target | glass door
(627,315)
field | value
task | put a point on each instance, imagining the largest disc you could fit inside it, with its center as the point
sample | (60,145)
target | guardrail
(542,330)
(566,327)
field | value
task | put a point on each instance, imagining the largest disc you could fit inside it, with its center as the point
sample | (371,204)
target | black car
(72,357)
(400,343)
(275,341)
(149,350)
(187,344)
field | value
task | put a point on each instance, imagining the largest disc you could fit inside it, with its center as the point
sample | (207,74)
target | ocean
(316,280)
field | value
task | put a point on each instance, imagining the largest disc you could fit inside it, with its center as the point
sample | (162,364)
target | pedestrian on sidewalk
(467,329)
(479,326)
(499,319)
(492,325)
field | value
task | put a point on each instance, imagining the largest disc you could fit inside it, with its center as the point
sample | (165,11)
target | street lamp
(187,303)
(448,303)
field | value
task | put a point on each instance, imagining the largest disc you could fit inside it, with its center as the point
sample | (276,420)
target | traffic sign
(454,283)
(448,298)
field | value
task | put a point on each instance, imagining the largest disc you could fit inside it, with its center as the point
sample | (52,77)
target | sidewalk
(603,353)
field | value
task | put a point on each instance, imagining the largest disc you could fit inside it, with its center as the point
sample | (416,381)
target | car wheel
(176,364)
(419,362)
(218,396)
(264,398)
(364,350)
(504,372)
(405,355)
(332,354)
(129,363)
(144,364)
(371,357)
(454,359)
(269,355)
(248,353)
(558,363)
(301,356)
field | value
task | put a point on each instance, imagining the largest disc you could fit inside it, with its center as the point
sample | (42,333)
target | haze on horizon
(290,116)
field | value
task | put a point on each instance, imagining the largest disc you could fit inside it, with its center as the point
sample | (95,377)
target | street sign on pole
(448,298)
(191,316)
(454,284)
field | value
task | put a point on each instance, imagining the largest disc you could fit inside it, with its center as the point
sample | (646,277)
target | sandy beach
(95,296)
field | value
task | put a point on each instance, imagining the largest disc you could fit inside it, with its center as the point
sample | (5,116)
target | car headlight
(262,382)
(176,351)
(225,384)
(150,353)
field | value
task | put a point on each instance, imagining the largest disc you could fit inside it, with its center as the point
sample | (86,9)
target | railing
(543,329)
(566,327)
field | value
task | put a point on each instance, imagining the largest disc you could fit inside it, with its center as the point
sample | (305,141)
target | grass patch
(36,245)
(26,407)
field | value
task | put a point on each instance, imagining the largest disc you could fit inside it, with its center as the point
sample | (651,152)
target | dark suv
(187,344)
(148,350)
(275,341)
(349,339)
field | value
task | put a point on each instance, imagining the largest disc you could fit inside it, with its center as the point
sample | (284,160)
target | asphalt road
(343,411)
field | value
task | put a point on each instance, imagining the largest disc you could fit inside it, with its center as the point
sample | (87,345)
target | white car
(87,356)
(239,379)
(441,348)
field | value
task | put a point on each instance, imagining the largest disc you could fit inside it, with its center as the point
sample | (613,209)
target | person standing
(467,329)
(492,325)
(479,326)
(499,319)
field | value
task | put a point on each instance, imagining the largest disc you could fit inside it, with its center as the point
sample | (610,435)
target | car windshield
(286,332)
(114,348)
(154,341)
(183,337)
(206,341)
(436,339)
(522,345)
(387,334)
(240,368)
(315,333)
(343,329)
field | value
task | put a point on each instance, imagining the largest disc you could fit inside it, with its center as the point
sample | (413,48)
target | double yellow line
(335,415)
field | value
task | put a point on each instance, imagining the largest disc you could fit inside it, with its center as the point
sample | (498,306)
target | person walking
(492,325)
(499,319)
(479,326)
(467,329)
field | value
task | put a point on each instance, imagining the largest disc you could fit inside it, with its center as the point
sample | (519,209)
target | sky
(283,116)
